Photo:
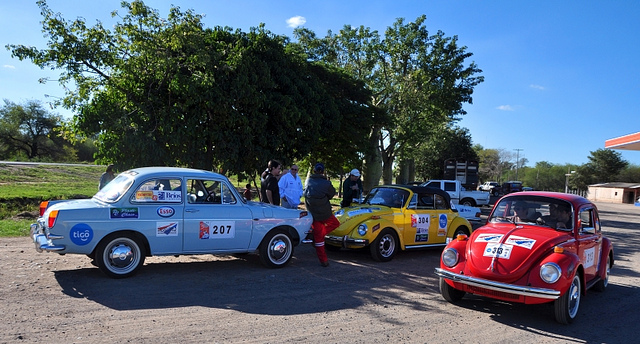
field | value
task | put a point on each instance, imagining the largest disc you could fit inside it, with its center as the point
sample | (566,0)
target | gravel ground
(47,298)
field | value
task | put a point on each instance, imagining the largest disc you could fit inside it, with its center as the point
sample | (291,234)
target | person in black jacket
(351,188)
(316,198)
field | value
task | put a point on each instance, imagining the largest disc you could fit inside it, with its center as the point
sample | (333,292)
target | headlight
(362,229)
(339,212)
(450,257)
(550,272)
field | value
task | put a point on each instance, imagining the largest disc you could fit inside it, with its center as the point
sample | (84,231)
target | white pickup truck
(459,195)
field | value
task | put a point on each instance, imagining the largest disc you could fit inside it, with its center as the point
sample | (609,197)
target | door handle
(191,210)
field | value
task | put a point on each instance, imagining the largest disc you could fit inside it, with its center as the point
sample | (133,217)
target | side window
(440,202)
(586,219)
(209,192)
(159,190)
(425,201)
(449,186)
(413,204)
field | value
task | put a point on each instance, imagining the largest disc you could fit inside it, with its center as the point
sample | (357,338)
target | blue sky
(561,77)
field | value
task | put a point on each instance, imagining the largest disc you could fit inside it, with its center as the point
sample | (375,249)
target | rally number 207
(220,230)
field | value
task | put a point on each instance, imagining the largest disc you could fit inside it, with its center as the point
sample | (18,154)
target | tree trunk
(372,170)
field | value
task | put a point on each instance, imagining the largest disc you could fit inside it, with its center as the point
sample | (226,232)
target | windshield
(537,210)
(390,197)
(115,189)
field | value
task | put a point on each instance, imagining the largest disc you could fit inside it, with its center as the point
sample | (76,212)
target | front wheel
(276,249)
(460,230)
(385,246)
(566,307)
(119,256)
(450,293)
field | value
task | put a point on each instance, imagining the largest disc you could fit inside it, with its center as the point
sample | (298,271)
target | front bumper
(542,293)
(43,242)
(345,241)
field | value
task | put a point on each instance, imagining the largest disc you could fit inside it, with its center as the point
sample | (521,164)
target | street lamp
(566,181)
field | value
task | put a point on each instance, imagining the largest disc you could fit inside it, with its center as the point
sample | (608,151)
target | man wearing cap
(316,198)
(351,188)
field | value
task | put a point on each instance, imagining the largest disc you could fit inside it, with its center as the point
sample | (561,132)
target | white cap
(355,172)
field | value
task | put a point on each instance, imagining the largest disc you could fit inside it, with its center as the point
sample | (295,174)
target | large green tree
(420,80)
(170,92)
(604,166)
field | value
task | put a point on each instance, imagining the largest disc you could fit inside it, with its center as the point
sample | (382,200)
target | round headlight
(362,229)
(550,272)
(450,257)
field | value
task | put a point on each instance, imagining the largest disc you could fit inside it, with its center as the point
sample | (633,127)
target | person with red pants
(317,194)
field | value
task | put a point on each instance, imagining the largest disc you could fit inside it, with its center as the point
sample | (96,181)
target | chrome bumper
(345,241)
(542,293)
(41,242)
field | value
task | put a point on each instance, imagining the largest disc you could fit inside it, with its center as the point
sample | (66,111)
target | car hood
(351,217)
(506,252)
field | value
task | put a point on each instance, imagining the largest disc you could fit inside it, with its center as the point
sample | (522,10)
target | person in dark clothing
(317,194)
(351,188)
(269,189)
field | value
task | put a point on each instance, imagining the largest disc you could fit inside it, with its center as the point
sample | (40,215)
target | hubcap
(121,256)
(387,246)
(574,297)
(279,249)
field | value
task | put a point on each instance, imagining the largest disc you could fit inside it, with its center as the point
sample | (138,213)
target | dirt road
(51,298)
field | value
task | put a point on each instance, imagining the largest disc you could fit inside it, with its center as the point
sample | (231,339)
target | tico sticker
(81,234)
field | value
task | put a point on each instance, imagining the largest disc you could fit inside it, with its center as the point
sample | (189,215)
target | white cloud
(9,66)
(505,108)
(537,87)
(296,21)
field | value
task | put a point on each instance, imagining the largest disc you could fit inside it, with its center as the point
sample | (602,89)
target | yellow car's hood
(351,217)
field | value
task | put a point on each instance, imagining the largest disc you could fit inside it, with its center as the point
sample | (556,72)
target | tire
(460,230)
(332,248)
(469,202)
(602,284)
(119,255)
(566,307)
(494,193)
(276,249)
(450,293)
(385,246)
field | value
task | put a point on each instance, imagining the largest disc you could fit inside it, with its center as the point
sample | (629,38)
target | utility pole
(517,160)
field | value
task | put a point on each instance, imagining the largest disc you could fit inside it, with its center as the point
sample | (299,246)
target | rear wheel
(460,230)
(469,202)
(450,293)
(566,307)
(119,256)
(385,246)
(601,285)
(276,249)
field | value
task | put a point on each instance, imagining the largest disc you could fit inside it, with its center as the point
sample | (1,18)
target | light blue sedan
(159,211)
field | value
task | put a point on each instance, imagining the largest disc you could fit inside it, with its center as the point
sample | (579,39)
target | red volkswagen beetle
(536,247)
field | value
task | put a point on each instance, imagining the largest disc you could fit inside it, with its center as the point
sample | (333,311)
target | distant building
(614,192)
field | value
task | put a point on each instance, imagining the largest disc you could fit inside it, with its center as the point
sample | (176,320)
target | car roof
(574,199)
(182,171)
(421,190)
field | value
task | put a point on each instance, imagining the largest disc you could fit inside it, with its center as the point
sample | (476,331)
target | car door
(155,210)
(424,219)
(214,220)
(589,242)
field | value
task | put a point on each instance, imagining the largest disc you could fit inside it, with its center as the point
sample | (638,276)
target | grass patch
(23,187)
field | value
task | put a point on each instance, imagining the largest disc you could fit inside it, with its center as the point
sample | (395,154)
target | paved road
(194,299)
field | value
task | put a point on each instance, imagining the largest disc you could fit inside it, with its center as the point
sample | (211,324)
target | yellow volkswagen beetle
(394,217)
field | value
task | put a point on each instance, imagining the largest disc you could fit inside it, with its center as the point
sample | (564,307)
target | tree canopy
(170,92)
(418,79)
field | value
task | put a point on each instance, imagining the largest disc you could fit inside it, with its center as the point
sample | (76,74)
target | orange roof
(628,142)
